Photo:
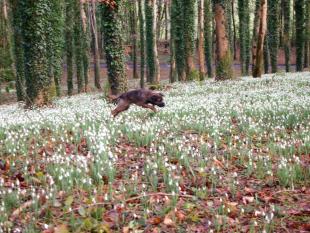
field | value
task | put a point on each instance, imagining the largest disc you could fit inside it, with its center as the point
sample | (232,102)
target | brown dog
(141,97)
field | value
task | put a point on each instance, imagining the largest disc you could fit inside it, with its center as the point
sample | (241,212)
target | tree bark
(208,19)
(113,45)
(133,23)
(261,38)
(142,53)
(96,54)
(299,26)
(286,11)
(201,54)
(224,60)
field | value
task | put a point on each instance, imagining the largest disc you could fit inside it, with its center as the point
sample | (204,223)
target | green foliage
(142,53)
(111,26)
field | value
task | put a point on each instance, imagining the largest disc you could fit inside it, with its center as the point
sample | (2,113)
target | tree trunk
(173,72)
(111,25)
(18,49)
(40,86)
(257,72)
(133,23)
(234,28)
(286,11)
(255,32)
(307,36)
(244,35)
(189,37)
(177,26)
(266,55)
(201,54)
(224,60)
(208,19)
(78,44)
(96,54)
(69,46)
(151,51)
(273,32)
(142,54)
(299,11)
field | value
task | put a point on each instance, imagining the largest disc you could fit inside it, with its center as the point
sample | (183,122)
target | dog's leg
(149,107)
(122,106)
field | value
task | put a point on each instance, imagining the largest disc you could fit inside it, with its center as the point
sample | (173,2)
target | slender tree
(223,54)
(286,12)
(133,27)
(299,25)
(266,54)
(113,45)
(208,19)
(201,51)
(234,29)
(307,35)
(56,42)
(95,39)
(151,43)
(142,53)
(189,37)
(257,72)
(69,45)
(244,35)
(255,32)
(273,33)
(18,49)
(173,71)
(177,26)
(78,45)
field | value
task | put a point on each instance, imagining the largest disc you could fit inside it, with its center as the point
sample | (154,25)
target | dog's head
(157,99)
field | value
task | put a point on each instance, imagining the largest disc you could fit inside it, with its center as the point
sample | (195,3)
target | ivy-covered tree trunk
(113,45)
(189,37)
(173,71)
(307,35)
(96,53)
(259,52)
(133,27)
(69,45)
(223,55)
(266,55)
(299,25)
(273,33)
(85,43)
(234,29)
(142,53)
(201,55)
(78,45)
(256,25)
(151,43)
(56,42)
(208,19)
(230,32)
(37,25)
(18,49)
(244,35)
(286,11)
(177,26)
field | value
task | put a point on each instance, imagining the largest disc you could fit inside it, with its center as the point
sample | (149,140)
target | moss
(194,75)
(224,68)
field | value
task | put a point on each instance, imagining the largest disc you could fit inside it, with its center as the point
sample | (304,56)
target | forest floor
(229,156)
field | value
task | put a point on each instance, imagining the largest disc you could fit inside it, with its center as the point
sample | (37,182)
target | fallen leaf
(61,229)
(247,199)
(155,220)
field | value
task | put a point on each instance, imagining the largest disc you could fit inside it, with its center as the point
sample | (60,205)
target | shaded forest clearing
(222,156)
